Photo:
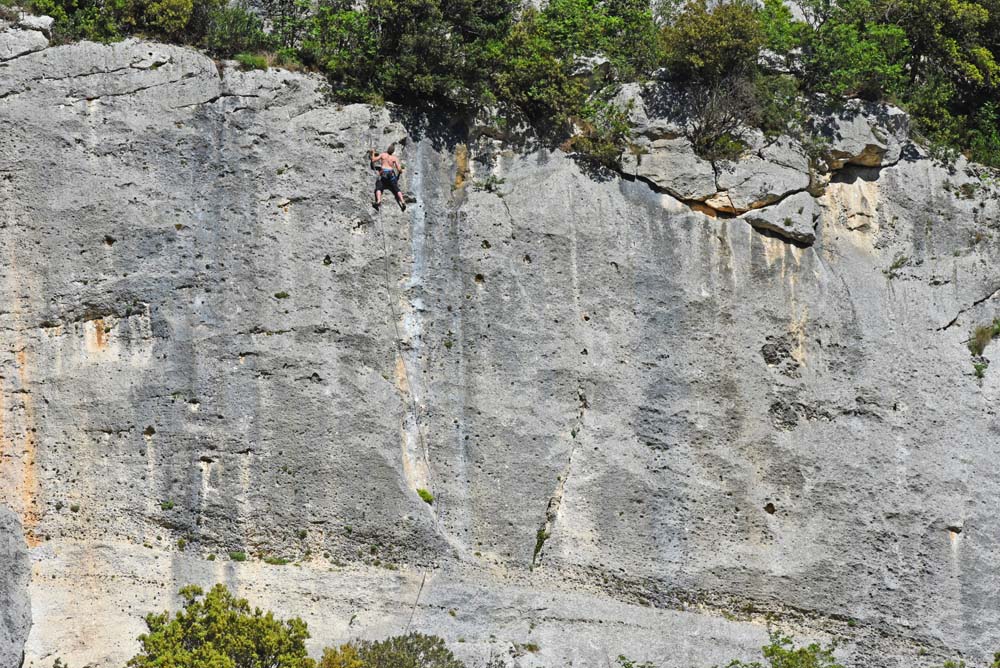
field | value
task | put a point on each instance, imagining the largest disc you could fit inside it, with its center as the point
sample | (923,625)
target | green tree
(342,42)
(710,43)
(234,29)
(413,650)
(438,51)
(218,630)
(782,653)
(536,80)
(850,54)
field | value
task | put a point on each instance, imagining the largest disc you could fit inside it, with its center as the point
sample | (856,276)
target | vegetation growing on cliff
(219,630)
(555,68)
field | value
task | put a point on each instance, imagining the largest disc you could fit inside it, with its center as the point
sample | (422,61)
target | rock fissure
(961,312)
(216,98)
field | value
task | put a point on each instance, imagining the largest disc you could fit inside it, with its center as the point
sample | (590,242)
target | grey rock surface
(672,166)
(16,42)
(768,175)
(863,134)
(15,603)
(794,218)
(33,22)
(647,431)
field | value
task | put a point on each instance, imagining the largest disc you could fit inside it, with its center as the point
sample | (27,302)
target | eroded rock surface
(15,604)
(770,170)
(711,427)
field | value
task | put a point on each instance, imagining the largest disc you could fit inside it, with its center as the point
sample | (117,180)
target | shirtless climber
(389,168)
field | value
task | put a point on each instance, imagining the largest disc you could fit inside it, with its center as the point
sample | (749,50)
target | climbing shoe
(376,205)
(402,206)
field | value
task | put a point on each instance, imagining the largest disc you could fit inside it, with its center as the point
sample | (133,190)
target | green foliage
(541,55)
(782,653)
(276,561)
(605,127)
(169,17)
(346,656)
(625,662)
(289,20)
(535,82)
(546,68)
(708,43)
(984,134)
(413,650)
(342,41)
(850,54)
(218,630)
(166,505)
(256,61)
(234,29)
(982,336)
(438,51)
(238,556)
(427,497)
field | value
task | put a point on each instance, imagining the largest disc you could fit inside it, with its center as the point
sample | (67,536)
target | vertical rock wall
(646,430)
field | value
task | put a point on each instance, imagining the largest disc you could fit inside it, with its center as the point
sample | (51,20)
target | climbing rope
(415,602)
(414,408)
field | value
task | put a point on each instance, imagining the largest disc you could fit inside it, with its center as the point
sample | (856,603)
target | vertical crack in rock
(555,501)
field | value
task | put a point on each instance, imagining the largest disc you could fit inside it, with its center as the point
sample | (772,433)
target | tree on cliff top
(218,630)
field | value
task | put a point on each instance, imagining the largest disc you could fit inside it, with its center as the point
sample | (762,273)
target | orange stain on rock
(27,488)
(100,334)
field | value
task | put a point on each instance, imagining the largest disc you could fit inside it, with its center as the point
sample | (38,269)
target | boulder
(40,23)
(764,177)
(793,218)
(672,166)
(861,133)
(16,42)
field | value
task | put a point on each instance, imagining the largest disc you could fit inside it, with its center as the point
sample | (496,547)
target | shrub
(169,17)
(534,82)
(427,497)
(276,561)
(707,44)
(625,662)
(346,656)
(256,61)
(857,58)
(238,556)
(166,505)
(342,41)
(233,29)
(413,650)
(982,336)
(782,653)
(604,130)
(218,629)
(84,19)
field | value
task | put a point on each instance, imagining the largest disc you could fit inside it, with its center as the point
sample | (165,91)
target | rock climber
(389,169)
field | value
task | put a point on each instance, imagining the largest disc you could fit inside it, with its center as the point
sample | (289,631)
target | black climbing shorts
(387,180)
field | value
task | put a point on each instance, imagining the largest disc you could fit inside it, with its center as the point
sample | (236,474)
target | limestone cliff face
(646,430)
